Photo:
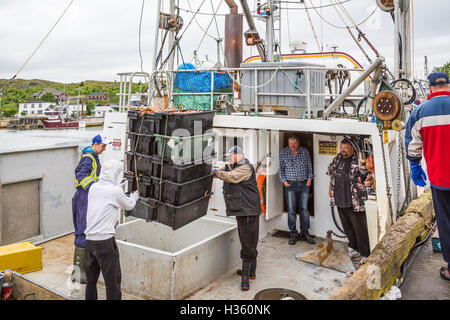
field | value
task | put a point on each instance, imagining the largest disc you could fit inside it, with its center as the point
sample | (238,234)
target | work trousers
(355,227)
(441,203)
(103,256)
(79,210)
(248,230)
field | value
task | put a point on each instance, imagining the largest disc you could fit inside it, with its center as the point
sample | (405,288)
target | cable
(198,23)
(312,27)
(140,25)
(181,36)
(35,50)
(340,27)
(206,32)
(400,280)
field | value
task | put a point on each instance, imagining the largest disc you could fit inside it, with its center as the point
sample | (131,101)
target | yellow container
(21,257)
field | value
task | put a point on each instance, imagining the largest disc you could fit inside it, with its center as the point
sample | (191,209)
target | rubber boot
(245,283)
(79,263)
(252,275)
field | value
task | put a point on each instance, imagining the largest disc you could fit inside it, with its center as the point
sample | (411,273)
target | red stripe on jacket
(435,138)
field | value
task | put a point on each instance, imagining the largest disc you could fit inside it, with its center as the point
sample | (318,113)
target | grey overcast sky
(96,39)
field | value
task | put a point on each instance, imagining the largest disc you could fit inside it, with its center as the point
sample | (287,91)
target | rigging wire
(181,36)
(254,11)
(334,25)
(35,50)
(140,27)
(312,27)
(198,23)
(205,32)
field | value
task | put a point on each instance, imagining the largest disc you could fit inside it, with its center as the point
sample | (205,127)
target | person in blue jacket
(427,134)
(86,174)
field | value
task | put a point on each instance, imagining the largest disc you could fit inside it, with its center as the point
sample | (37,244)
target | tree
(90,107)
(47,97)
(10,110)
(445,68)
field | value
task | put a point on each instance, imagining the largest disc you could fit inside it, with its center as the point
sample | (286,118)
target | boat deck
(277,268)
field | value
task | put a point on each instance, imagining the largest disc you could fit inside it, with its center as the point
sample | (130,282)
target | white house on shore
(35,108)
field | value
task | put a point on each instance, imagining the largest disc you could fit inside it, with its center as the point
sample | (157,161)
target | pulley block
(387,105)
(170,22)
(386,5)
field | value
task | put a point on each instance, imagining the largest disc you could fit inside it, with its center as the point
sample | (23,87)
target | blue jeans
(297,197)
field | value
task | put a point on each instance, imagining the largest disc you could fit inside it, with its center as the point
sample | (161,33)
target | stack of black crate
(174,187)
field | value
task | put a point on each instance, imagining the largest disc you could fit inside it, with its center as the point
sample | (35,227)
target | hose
(361,102)
(409,83)
(334,220)
(400,280)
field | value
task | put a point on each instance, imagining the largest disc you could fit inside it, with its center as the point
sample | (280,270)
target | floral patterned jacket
(358,189)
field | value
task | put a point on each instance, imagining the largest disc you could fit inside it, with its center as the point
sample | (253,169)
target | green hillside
(21,90)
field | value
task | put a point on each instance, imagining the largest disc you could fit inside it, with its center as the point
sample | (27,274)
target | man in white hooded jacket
(105,198)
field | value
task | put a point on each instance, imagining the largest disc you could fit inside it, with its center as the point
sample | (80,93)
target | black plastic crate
(142,210)
(142,125)
(143,163)
(194,122)
(131,181)
(169,215)
(184,150)
(142,143)
(180,173)
(144,183)
(181,193)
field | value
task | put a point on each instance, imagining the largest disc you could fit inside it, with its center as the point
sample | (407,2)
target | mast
(402,49)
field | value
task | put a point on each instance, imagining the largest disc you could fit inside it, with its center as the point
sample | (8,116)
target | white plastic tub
(163,264)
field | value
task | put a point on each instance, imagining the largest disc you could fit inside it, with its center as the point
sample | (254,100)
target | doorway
(306,141)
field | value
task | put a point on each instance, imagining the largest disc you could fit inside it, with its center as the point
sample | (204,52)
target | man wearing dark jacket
(242,200)
(348,192)
(86,174)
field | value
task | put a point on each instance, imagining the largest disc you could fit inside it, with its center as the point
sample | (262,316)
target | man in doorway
(242,201)
(428,131)
(86,174)
(348,193)
(102,219)
(295,172)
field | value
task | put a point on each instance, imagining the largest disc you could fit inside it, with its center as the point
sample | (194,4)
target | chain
(362,35)
(399,159)
(408,189)
(337,235)
(388,189)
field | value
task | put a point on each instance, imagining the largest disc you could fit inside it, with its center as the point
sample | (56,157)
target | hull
(59,124)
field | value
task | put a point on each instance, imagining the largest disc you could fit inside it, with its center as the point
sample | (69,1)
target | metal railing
(308,94)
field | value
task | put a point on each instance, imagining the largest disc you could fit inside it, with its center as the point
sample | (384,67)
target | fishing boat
(266,98)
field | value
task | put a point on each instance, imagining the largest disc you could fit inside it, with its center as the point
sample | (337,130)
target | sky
(96,39)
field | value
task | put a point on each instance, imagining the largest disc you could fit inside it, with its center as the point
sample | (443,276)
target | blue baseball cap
(234,150)
(100,138)
(441,76)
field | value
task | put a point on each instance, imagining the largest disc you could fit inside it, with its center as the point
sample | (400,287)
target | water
(19,140)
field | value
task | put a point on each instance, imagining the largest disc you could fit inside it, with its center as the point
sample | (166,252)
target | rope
(35,50)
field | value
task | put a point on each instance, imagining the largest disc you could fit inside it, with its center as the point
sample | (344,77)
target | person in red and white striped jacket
(427,133)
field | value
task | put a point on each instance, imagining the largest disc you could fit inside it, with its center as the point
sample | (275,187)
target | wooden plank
(382,268)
